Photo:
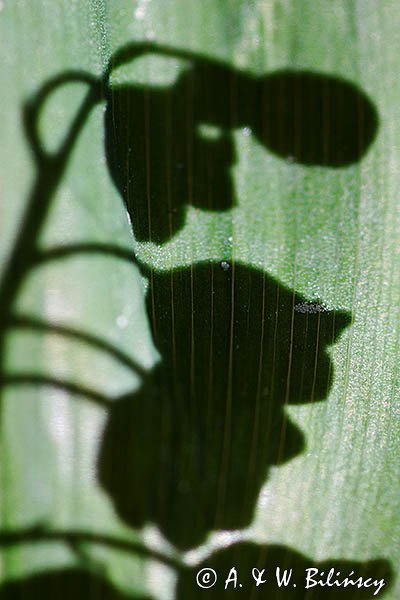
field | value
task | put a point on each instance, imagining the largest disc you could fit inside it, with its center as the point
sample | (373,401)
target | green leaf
(199,296)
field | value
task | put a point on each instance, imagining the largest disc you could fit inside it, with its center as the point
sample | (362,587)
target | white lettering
(285,578)
(232,578)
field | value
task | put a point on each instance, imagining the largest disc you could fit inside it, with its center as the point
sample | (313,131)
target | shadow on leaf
(192,447)
(247,556)
(173,147)
(64,585)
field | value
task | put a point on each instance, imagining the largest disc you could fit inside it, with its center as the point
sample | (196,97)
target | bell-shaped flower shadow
(192,447)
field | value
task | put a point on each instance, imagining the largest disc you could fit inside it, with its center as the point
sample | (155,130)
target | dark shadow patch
(248,556)
(162,161)
(192,447)
(65,584)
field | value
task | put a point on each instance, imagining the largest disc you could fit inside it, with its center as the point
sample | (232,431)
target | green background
(328,233)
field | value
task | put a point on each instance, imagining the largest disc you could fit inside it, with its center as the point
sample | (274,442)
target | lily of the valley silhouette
(190,449)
